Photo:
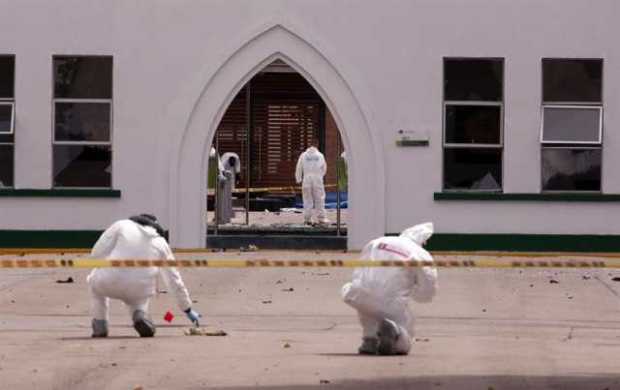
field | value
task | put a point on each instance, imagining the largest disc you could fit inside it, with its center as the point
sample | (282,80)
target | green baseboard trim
(60,193)
(523,197)
(591,243)
(48,238)
(438,242)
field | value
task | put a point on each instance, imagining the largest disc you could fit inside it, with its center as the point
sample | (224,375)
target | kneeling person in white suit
(381,295)
(139,237)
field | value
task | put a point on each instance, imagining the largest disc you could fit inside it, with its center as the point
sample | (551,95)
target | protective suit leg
(306,193)
(139,315)
(370,327)
(318,195)
(99,308)
(99,305)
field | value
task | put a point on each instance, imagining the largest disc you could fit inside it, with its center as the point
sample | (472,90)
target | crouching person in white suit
(381,295)
(139,237)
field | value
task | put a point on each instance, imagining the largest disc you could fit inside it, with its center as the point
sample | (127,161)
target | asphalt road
(288,329)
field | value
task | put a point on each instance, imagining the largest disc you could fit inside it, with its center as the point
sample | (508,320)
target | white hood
(419,233)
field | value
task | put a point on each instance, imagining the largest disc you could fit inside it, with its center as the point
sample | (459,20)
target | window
(473,124)
(7,119)
(82,112)
(572,124)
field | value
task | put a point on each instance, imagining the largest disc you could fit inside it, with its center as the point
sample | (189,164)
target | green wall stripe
(60,193)
(48,238)
(543,197)
(438,242)
(523,242)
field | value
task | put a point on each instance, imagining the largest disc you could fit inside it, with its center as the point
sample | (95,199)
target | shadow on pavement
(599,382)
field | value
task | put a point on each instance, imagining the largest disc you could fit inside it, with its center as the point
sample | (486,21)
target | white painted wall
(377,64)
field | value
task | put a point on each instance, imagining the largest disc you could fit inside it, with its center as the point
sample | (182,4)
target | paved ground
(292,218)
(487,329)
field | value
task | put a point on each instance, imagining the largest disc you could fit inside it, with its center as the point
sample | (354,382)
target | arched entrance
(188,171)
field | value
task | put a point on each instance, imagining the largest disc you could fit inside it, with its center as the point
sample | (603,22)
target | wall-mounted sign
(412,138)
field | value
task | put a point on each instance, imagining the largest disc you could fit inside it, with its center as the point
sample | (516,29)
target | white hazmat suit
(126,239)
(311,168)
(382,295)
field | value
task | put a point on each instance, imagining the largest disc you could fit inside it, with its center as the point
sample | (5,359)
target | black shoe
(100,328)
(142,324)
(388,335)
(369,346)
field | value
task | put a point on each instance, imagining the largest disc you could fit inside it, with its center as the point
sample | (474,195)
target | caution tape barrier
(268,263)
(292,189)
(203,251)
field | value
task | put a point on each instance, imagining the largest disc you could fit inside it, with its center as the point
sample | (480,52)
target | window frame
(487,103)
(109,101)
(571,145)
(572,106)
(9,102)
(474,103)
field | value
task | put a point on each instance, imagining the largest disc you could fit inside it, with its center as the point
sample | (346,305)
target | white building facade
(495,119)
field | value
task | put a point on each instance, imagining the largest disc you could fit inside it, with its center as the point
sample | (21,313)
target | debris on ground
(249,248)
(168,317)
(288,289)
(266,301)
(553,281)
(162,291)
(68,280)
(204,331)
(425,340)
(279,281)
(286,345)
(484,310)
(531,285)
(586,277)
(324,382)
(616,279)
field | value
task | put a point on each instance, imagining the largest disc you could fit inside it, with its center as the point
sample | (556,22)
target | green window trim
(527,197)
(60,193)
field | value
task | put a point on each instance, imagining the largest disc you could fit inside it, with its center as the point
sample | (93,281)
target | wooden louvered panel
(286,115)
(283,129)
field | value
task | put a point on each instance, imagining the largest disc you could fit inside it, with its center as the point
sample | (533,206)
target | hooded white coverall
(311,168)
(126,239)
(384,293)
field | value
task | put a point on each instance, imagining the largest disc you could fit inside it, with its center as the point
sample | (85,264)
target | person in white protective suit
(311,168)
(381,295)
(139,237)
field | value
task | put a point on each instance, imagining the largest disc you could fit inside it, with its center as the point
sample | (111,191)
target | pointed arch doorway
(269,124)
(188,171)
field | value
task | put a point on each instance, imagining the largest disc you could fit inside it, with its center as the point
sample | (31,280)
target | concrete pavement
(487,329)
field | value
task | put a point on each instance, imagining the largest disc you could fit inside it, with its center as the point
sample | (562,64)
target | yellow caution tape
(206,251)
(293,189)
(266,263)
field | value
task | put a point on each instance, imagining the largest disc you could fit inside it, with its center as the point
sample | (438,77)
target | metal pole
(338,233)
(217,184)
(248,126)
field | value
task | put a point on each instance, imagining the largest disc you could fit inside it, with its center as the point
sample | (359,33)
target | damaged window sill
(60,193)
(527,197)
